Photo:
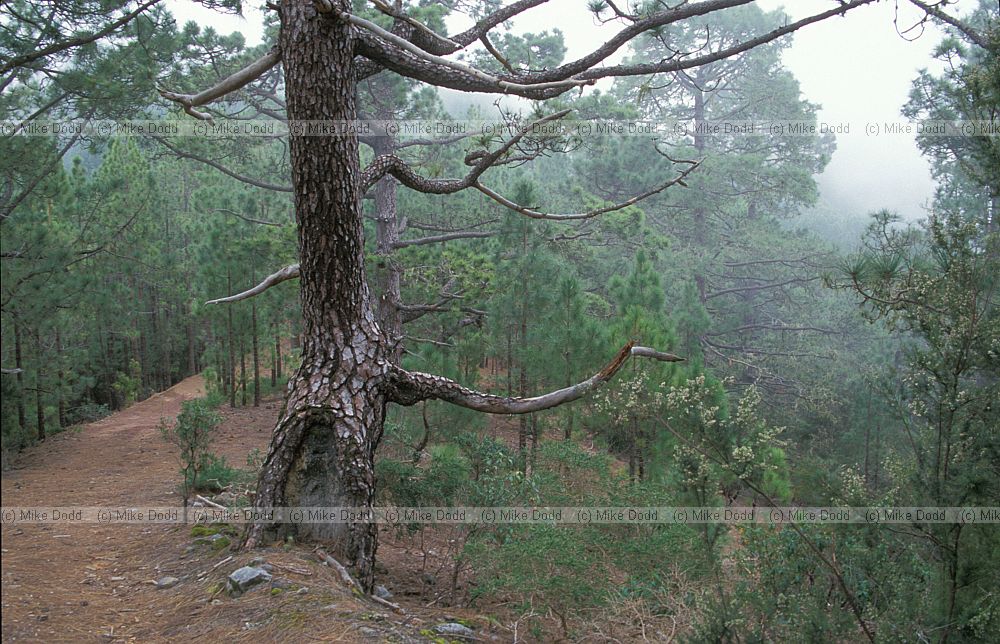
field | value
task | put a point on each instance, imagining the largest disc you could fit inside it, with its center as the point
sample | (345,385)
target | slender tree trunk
(388,272)
(231,367)
(522,435)
(510,362)
(569,410)
(256,354)
(243,372)
(107,358)
(39,385)
(22,415)
(192,364)
(868,432)
(220,365)
(146,382)
(633,449)
(274,357)
(323,448)
(60,377)
(641,456)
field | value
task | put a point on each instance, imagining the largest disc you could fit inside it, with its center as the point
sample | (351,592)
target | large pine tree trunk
(322,450)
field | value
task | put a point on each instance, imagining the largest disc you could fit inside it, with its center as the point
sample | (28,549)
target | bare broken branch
(408,388)
(285,274)
(231,83)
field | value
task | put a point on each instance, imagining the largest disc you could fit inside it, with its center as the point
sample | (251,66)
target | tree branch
(761,287)
(534,214)
(405,58)
(231,83)
(391,164)
(408,388)
(223,169)
(435,239)
(55,48)
(287,273)
(677,65)
(389,49)
(968,31)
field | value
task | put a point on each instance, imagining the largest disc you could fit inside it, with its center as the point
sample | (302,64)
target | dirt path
(92,583)
(65,582)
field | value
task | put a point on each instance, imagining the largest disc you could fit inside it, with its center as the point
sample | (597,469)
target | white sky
(857,68)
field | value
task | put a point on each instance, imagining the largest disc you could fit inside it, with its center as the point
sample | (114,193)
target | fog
(858,69)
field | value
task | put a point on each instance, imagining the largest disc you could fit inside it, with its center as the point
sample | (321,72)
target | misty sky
(857,68)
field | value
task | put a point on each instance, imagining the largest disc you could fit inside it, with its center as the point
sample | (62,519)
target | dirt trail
(92,583)
(64,582)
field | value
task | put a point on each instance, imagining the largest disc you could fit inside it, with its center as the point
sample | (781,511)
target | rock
(368,632)
(257,562)
(247,577)
(302,591)
(428,579)
(382,592)
(454,629)
(166,582)
(281,583)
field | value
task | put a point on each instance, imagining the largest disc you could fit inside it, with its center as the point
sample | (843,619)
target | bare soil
(88,582)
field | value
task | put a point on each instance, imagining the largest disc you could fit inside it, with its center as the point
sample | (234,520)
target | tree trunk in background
(274,357)
(39,381)
(522,389)
(256,354)
(220,365)
(60,376)
(388,272)
(323,447)
(168,349)
(231,367)
(22,415)
(192,365)
(243,372)
(510,363)
(146,383)
(569,381)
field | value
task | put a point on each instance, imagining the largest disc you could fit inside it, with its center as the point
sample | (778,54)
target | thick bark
(322,451)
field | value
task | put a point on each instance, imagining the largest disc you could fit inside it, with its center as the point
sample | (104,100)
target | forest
(408,255)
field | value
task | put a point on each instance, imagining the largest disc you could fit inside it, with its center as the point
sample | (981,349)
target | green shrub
(215,474)
(192,434)
(86,413)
